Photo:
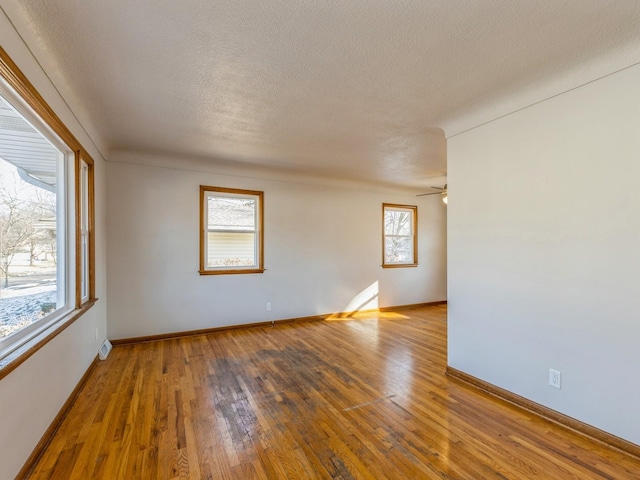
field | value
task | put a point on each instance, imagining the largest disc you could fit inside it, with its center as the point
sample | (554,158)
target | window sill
(231,272)
(400,265)
(14,359)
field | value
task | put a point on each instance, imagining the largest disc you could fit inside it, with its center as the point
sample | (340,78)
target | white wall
(32,395)
(322,248)
(544,252)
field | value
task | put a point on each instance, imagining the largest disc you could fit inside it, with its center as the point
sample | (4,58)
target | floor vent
(105,349)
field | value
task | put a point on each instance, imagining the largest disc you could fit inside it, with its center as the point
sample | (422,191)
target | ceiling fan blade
(425,194)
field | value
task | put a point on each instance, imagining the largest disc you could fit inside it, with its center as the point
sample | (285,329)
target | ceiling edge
(583,74)
(248,170)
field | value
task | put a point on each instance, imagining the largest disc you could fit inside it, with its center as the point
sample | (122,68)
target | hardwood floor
(352,398)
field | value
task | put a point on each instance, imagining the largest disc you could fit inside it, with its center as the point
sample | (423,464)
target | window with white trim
(400,240)
(231,231)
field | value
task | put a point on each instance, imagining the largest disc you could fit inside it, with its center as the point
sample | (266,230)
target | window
(400,241)
(46,218)
(84,227)
(231,231)
(32,224)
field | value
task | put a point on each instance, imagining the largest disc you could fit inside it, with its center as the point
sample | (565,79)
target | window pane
(84,230)
(29,224)
(397,222)
(231,249)
(228,213)
(398,250)
(84,259)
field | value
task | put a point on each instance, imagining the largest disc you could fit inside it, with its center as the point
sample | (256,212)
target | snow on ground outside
(19,311)
(30,295)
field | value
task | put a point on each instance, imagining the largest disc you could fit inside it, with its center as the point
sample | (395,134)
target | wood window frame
(81,157)
(23,88)
(414,210)
(259,268)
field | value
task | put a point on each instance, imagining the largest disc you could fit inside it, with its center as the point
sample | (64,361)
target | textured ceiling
(357,89)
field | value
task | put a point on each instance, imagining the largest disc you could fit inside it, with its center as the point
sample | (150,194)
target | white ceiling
(357,89)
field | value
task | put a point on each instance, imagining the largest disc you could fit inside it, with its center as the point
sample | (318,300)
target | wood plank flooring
(364,397)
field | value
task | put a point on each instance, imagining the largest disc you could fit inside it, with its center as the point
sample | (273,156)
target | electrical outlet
(268,306)
(555,378)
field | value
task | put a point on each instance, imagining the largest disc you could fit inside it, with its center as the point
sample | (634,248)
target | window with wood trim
(399,235)
(84,228)
(46,220)
(231,231)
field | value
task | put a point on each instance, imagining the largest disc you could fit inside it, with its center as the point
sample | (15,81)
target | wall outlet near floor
(555,378)
(268,306)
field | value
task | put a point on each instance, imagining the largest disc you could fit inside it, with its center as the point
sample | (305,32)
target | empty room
(319,240)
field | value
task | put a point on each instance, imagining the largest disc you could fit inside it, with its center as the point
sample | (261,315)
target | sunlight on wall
(367,299)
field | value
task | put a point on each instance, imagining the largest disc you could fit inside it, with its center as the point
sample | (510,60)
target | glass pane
(28,223)
(229,213)
(84,256)
(398,250)
(84,230)
(231,249)
(397,222)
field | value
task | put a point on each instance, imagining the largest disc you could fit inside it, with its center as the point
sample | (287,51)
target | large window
(400,240)
(32,223)
(46,220)
(231,231)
